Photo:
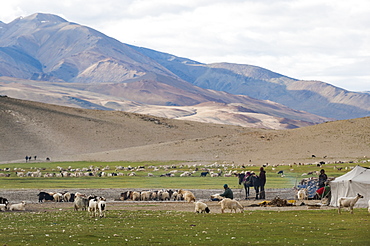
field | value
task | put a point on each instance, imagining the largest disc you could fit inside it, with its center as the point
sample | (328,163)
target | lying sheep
(348,202)
(187,195)
(18,206)
(201,207)
(228,203)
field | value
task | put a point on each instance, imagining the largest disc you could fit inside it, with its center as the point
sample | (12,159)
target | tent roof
(358,174)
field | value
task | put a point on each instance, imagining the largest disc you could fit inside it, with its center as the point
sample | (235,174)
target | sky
(325,40)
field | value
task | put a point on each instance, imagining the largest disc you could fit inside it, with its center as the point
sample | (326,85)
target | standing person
(322,178)
(262,182)
(228,193)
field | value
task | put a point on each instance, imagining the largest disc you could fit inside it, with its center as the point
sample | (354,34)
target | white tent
(348,185)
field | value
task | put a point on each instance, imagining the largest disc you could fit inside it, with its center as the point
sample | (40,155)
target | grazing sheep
(201,207)
(18,206)
(145,195)
(58,197)
(135,196)
(204,174)
(187,195)
(228,203)
(45,196)
(348,202)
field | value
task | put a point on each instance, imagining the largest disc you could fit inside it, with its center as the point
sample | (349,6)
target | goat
(348,202)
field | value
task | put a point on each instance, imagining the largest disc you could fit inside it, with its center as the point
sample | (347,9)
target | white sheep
(58,197)
(228,203)
(368,209)
(145,195)
(201,207)
(348,202)
(135,196)
(18,206)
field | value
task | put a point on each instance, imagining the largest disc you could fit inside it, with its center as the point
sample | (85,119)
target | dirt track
(112,196)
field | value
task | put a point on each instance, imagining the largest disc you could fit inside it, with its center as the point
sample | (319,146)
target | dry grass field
(70,134)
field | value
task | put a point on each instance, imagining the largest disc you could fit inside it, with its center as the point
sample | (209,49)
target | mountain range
(45,58)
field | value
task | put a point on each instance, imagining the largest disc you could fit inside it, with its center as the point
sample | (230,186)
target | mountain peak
(41,18)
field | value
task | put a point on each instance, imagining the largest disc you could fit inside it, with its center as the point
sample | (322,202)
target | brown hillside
(63,133)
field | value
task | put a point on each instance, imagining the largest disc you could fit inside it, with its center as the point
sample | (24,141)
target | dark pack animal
(45,196)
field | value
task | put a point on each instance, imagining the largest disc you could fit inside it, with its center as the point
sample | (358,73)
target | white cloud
(298,38)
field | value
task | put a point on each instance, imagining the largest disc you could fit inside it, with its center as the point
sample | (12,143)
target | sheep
(348,202)
(228,203)
(187,195)
(368,209)
(135,196)
(201,207)
(145,195)
(58,197)
(18,206)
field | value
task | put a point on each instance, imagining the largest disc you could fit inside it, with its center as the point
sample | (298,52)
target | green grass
(311,227)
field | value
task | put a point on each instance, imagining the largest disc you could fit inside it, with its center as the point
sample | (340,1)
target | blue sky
(322,40)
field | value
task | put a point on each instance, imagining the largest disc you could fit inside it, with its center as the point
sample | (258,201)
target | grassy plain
(146,227)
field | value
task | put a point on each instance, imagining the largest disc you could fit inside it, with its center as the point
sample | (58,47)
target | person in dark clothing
(256,184)
(322,178)
(228,193)
(262,177)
